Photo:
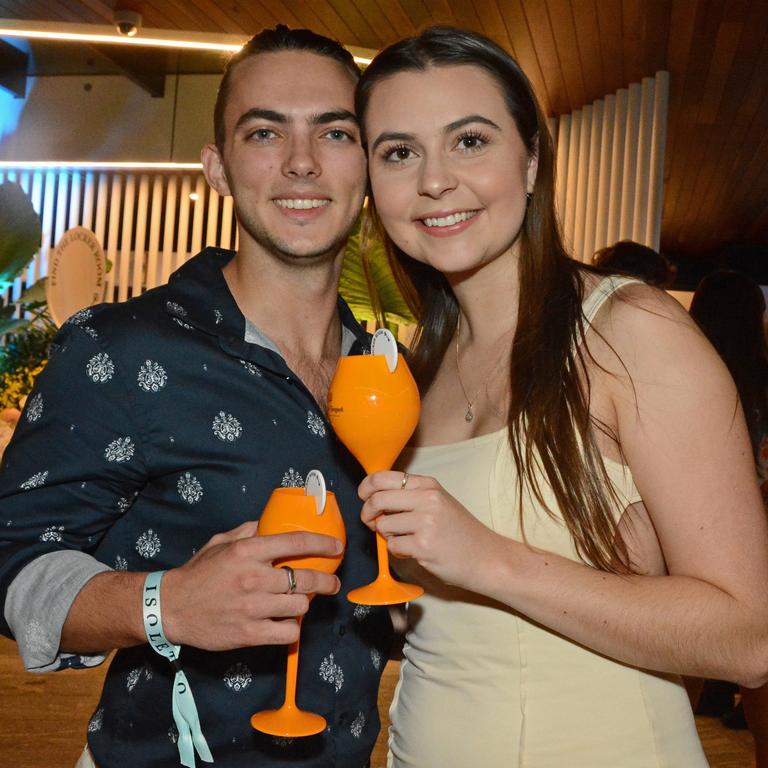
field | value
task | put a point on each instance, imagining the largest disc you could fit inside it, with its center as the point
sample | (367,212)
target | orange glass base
(385,590)
(288,721)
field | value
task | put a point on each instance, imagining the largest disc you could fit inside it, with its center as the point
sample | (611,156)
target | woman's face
(449,171)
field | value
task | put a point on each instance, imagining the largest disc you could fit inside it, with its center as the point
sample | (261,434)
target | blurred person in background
(630,258)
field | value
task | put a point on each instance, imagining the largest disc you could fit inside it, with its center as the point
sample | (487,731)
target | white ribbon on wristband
(182,704)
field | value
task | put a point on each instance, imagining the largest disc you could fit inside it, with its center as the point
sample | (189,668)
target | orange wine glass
(288,510)
(374,407)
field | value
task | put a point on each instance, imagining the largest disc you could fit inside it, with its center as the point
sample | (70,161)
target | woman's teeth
(448,221)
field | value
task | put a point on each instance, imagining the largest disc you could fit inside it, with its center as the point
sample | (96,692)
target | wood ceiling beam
(13,69)
(145,68)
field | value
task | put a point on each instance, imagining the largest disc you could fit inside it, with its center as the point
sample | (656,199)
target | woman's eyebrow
(391,136)
(462,121)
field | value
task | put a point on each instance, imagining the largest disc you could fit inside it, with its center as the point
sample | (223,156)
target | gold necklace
(469,414)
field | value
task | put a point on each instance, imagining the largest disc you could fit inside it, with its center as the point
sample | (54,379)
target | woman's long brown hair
(550,428)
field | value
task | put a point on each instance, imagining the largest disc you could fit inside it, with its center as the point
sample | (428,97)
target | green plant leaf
(35,294)
(354,289)
(12,326)
(19,231)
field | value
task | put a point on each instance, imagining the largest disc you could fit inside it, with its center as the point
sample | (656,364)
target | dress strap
(602,292)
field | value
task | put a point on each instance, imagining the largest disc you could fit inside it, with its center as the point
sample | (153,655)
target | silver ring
(291,579)
(404,481)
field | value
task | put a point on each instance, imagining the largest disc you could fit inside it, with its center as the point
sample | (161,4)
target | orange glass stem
(382,553)
(292,672)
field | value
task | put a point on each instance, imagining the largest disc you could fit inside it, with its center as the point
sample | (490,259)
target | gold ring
(404,481)
(291,579)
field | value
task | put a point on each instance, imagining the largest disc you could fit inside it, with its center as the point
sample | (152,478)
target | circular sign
(76,274)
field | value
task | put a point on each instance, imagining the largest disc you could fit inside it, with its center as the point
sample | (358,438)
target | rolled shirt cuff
(37,604)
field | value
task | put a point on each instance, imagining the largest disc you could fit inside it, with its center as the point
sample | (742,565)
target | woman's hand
(424,522)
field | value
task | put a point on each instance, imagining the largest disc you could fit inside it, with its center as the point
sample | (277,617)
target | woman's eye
(397,154)
(471,141)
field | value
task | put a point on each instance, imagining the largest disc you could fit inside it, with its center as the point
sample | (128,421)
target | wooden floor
(43,718)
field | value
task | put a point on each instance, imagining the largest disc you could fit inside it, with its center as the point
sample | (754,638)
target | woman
(730,308)
(579,491)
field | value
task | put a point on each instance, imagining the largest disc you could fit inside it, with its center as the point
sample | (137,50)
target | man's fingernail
(339,547)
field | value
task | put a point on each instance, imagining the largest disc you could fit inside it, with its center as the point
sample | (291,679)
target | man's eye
(262,134)
(337,134)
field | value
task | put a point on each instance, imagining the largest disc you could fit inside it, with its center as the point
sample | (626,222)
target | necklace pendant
(468,416)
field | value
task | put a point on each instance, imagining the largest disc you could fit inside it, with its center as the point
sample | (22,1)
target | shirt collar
(199,296)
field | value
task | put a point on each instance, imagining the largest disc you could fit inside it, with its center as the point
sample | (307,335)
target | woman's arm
(685,440)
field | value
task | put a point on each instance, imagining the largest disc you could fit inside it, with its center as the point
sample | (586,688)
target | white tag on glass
(383,343)
(315,486)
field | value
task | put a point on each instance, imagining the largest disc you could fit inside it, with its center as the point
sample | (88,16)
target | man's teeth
(448,221)
(302,203)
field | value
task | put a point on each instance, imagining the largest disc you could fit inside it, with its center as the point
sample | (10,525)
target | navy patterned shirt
(154,426)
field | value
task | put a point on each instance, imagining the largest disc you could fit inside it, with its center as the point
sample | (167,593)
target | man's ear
(213,169)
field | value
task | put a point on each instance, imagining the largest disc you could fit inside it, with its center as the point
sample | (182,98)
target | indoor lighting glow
(161,38)
(98,165)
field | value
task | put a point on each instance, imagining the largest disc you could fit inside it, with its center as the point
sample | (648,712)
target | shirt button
(342,630)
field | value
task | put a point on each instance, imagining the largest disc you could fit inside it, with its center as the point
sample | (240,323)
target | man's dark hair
(281,38)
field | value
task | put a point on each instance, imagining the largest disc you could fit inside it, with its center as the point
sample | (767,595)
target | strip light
(97,165)
(159,38)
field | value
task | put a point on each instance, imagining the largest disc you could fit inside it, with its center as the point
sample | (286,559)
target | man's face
(292,157)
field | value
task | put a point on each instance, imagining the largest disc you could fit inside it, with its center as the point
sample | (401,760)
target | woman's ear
(533,167)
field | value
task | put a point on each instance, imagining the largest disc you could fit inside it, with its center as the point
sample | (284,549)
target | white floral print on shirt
(189,488)
(292,479)
(315,424)
(148,544)
(34,408)
(356,729)
(332,673)
(120,450)
(52,533)
(238,677)
(100,368)
(35,481)
(151,376)
(96,721)
(226,427)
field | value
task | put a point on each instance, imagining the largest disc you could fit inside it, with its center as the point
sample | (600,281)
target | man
(160,427)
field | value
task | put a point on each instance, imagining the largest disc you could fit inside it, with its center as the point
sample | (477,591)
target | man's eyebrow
(261,114)
(334,116)
(322,118)
(455,125)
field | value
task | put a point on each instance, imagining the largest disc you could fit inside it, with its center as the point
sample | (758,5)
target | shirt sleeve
(75,458)
(37,605)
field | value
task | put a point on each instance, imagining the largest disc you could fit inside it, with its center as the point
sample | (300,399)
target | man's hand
(229,595)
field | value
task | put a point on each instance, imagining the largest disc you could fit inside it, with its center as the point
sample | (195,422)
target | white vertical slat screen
(148,224)
(610,168)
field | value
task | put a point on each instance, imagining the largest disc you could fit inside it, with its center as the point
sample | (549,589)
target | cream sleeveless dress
(482,687)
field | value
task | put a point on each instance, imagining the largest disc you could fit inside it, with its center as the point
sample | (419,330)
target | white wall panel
(610,166)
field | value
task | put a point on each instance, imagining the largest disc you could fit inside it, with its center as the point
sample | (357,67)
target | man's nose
(301,159)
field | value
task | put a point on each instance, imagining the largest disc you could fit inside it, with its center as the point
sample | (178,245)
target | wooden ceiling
(574,51)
